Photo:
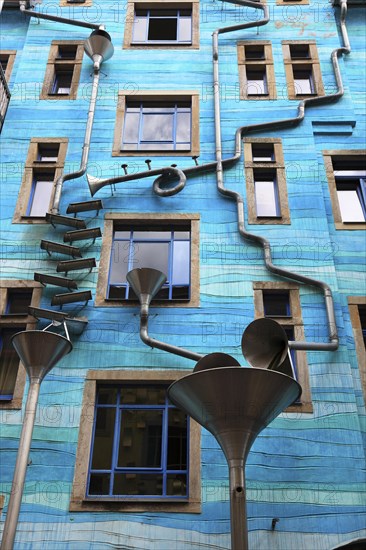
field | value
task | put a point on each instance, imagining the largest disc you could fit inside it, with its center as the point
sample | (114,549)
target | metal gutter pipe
(76,23)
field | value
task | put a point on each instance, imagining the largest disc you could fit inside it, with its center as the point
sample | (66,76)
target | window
(7,58)
(63,70)
(44,165)
(346,174)
(265,181)
(281,302)
(163,242)
(15,297)
(144,453)
(291,2)
(85,3)
(357,308)
(256,71)
(157,25)
(158,122)
(302,68)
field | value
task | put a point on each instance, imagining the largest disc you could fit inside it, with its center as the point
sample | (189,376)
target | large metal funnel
(264,344)
(146,282)
(39,351)
(235,405)
(99,47)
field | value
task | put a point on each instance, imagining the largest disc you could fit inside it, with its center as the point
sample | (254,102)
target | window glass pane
(138,484)
(140,438)
(152,235)
(9,362)
(154,255)
(181,235)
(41,197)
(303,82)
(103,438)
(177,440)
(139,28)
(256,82)
(162,29)
(67,51)
(183,133)
(181,263)
(48,153)
(299,51)
(157,127)
(122,234)
(119,262)
(18,301)
(176,485)
(254,52)
(265,198)
(263,152)
(107,395)
(131,127)
(350,206)
(276,304)
(185,29)
(143,395)
(99,484)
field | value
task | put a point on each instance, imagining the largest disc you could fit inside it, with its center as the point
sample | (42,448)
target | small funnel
(99,47)
(39,351)
(216,360)
(235,405)
(146,282)
(264,344)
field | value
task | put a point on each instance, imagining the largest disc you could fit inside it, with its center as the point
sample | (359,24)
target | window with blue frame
(41,193)
(266,193)
(157,126)
(162,26)
(139,444)
(162,247)
(9,362)
(61,84)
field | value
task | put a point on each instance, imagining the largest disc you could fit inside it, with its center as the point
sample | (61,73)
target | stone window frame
(292,2)
(24,323)
(279,166)
(147,95)
(166,219)
(10,54)
(80,4)
(296,321)
(79,502)
(353,303)
(31,165)
(53,61)
(311,62)
(343,154)
(267,62)
(130,16)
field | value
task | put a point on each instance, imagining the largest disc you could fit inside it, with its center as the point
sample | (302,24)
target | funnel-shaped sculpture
(146,282)
(264,344)
(235,405)
(39,351)
(99,47)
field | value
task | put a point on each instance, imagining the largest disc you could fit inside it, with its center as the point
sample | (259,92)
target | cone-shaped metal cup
(146,282)
(99,46)
(39,351)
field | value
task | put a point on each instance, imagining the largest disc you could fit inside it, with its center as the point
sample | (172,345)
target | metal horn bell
(99,47)
(39,351)
(264,344)
(94,184)
(145,282)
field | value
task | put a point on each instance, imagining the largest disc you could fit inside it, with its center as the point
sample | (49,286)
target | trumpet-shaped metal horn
(94,184)
(264,344)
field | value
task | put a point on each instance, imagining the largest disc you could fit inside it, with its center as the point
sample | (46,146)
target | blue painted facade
(307,469)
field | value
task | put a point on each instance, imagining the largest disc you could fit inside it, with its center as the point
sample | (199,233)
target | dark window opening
(303,81)
(362,315)
(18,301)
(263,152)
(48,152)
(162,26)
(299,51)
(9,363)
(256,81)
(61,84)
(254,52)
(276,303)
(67,51)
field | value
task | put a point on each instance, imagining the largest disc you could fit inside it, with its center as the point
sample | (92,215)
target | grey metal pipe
(20,471)
(48,17)
(329,304)
(144,319)
(86,145)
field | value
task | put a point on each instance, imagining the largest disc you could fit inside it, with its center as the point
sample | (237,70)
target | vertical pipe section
(86,147)
(12,515)
(238,512)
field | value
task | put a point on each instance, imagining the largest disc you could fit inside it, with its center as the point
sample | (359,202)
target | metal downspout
(329,304)
(86,145)
(76,23)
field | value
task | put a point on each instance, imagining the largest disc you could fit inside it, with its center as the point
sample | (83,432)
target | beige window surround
(9,55)
(292,2)
(79,502)
(54,63)
(310,63)
(23,323)
(79,4)
(340,155)
(245,63)
(353,303)
(297,323)
(278,165)
(160,96)
(161,4)
(148,219)
(32,166)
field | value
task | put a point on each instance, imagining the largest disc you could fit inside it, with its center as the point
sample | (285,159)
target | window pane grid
(351,194)
(162,26)
(146,475)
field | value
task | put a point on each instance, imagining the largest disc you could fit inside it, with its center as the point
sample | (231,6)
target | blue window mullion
(147,26)
(117,431)
(361,191)
(33,190)
(170,264)
(140,125)
(164,454)
(93,439)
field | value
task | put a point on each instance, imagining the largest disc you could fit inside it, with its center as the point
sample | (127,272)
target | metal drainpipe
(329,304)
(76,23)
